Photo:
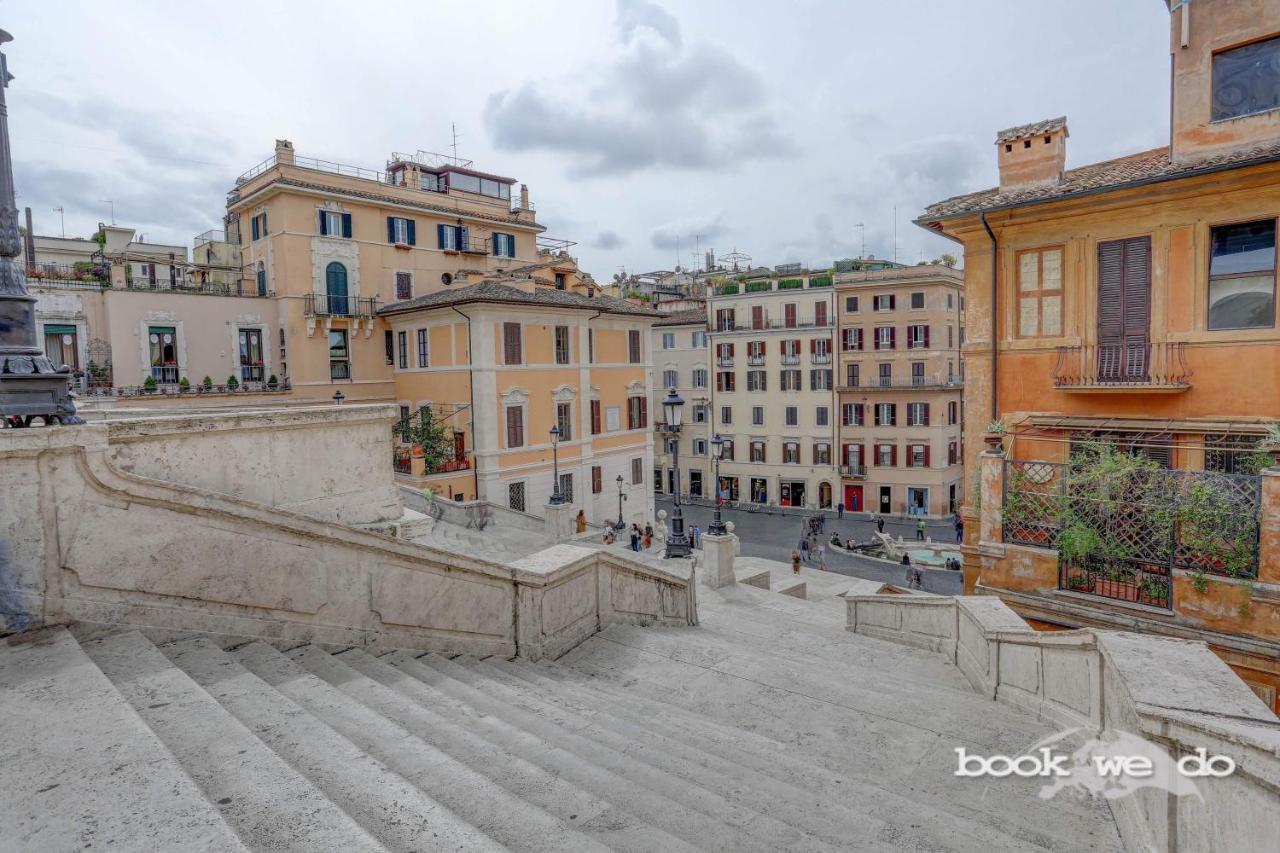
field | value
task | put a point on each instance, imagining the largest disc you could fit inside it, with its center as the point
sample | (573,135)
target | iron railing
(1143,525)
(176,390)
(71,275)
(474,245)
(213,235)
(925,383)
(853,470)
(1123,366)
(325,305)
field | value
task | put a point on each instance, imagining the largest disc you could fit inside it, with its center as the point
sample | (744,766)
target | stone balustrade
(1175,693)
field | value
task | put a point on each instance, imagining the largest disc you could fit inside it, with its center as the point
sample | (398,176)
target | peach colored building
(1133,301)
(899,383)
(500,363)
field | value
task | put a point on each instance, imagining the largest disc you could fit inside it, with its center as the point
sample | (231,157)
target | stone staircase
(767,727)
(497,543)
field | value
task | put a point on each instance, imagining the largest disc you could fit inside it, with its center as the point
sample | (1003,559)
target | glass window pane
(1027,315)
(1246,302)
(1029,272)
(1051,270)
(1249,247)
(1051,322)
(1246,80)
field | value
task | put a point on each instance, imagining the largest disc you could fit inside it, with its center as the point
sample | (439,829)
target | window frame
(1039,293)
(1214,117)
(1210,278)
(563,355)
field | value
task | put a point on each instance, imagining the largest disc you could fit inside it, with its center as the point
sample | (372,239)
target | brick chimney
(284,152)
(1032,155)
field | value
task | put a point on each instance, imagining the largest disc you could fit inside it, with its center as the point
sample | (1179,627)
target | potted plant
(233,384)
(206,384)
(1079,583)
(149,385)
(184,385)
(994,436)
(1153,591)
(272,382)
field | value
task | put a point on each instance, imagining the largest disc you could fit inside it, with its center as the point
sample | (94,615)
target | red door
(853,498)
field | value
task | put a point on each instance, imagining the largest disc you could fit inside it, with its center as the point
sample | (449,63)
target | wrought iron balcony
(324,305)
(724,361)
(915,383)
(474,246)
(791,359)
(1123,367)
(853,471)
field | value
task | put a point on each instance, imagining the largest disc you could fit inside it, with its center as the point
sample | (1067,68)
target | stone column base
(717,559)
(559,521)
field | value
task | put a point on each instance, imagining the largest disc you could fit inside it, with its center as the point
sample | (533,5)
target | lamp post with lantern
(557,496)
(673,408)
(621,497)
(716,528)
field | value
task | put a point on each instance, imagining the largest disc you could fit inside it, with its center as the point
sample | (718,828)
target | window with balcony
(755,353)
(790,380)
(852,375)
(790,350)
(820,313)
(791,416)
(757,317)
(757,415)
(260,276)
(917,414)
(724,320)
(339,355)
(886,374)
(820,349)
(1242,275)
(724,354)
(562,345)
(1246,80)
(789,315)
(886,337)
(756,380)
(886,414)
(757,451)
(791,453)
(917,373)
(1040,293)
(699,377)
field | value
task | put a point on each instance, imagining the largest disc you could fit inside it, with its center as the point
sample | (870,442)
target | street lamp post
(338,396)
(677,541)
(621,497)
(557,497)
(716,528)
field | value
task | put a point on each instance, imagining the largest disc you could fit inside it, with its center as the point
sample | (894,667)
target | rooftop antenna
(454,128)
(697,255)
(895,233)
(113,209)
(862,229)
(62,216)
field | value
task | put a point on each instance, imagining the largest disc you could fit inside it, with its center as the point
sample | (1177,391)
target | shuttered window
(1124,309)
(511,349)
(637,471)
(1040,293)
(515,426)
(597,480)
(633,345)
(595,417)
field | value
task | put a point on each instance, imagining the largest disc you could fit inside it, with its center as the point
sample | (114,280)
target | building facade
(1123,344)
(499,364)
(679,344)
(899,385)
(773,399)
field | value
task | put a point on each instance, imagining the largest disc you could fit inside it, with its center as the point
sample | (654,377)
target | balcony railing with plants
(1122,524)
(82,275)
(324,305)
(183,387)
(1131,366)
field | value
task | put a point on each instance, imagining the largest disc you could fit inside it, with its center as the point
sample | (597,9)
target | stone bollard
(559,521)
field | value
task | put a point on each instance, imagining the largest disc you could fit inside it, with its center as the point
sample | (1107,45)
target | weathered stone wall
(332,462)
(1174,693)
(83,542)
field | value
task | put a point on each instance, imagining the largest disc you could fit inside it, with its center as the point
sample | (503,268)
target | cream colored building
(900,383)
(772,343)
(680,361)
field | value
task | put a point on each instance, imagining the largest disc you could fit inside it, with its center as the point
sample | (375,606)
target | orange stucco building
(1134,301)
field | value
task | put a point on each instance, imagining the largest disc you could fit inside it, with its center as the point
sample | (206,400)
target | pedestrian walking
(804,548)
(920,530)
(581,521)
(635,538)
(959,528)
(879,524)
(822,557)
(795,562)
(840,511)
(648,536)
(696,537)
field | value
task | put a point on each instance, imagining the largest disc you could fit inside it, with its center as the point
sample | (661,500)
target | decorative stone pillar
(559,521)
(1269,528)
(717,559)
(991,480)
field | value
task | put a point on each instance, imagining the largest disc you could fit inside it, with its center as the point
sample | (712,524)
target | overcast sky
(773,128)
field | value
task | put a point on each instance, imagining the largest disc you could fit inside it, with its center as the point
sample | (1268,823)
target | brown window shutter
(893,337)
(596,480)
(893,453)
(926,456)
(926,337)
(730,350)
(644,413)
(877,416)
(925,412)
(595,417)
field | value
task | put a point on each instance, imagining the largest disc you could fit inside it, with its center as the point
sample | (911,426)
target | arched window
(262,279)
(335,284)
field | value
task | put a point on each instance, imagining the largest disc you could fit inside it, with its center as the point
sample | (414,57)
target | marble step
(389,808)
(597,770)
(730,799)
(268,804)
(609,823)
(80,769)
(364,710)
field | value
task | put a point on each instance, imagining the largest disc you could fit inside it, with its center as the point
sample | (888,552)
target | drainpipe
(471,386)
(995,321)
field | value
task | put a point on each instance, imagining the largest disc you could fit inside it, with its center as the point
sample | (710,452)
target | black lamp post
(716,528)
(31,386)
(338,396)
(677,541)
(557,497)
(621,497)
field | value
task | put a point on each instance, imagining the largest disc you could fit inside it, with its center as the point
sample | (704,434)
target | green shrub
(232,382)
(184,384)
(207,383)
